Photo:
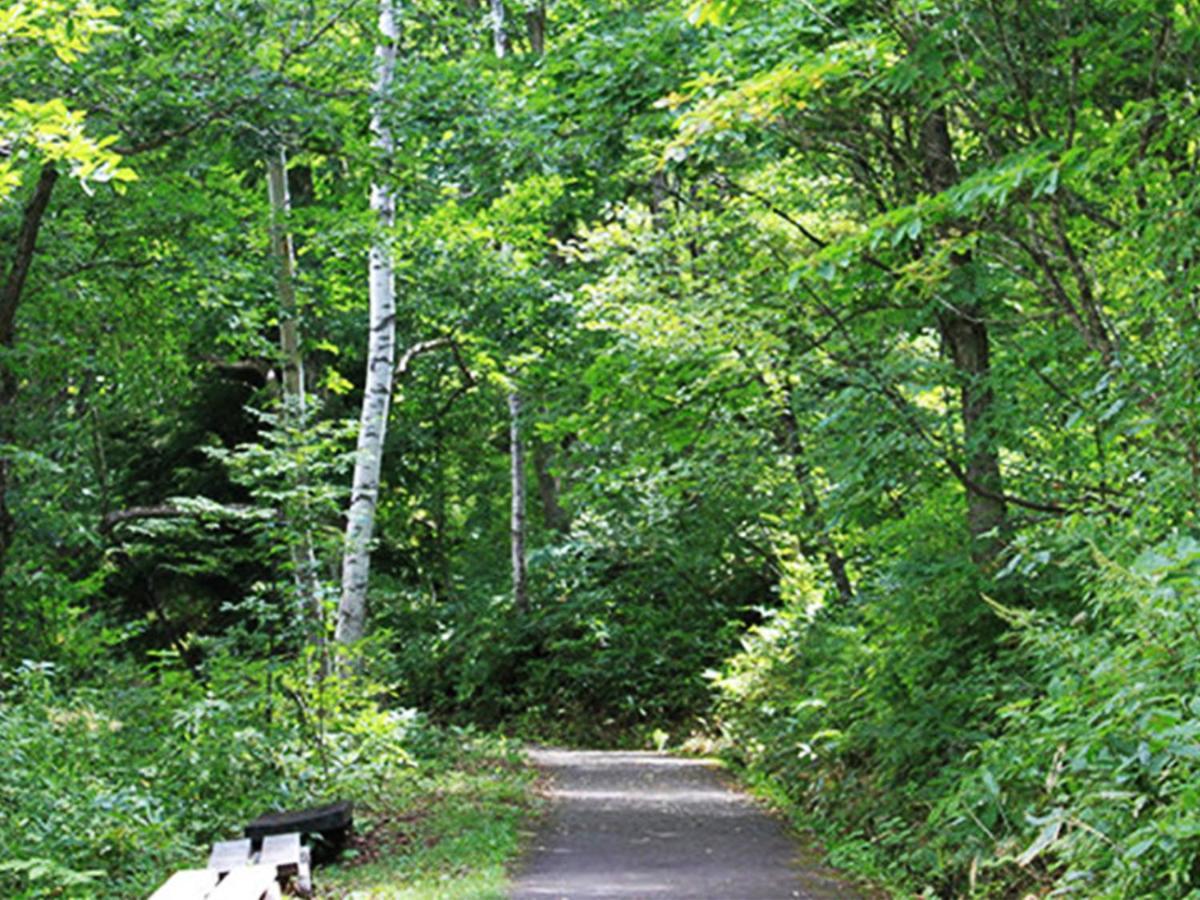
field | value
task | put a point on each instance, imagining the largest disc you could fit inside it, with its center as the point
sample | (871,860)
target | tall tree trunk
(304,561)
(965,333)
(499,37)
(517,453)
(285,291)
(535,24)
(520,587)
(549,488)
(381,351)
(10,299)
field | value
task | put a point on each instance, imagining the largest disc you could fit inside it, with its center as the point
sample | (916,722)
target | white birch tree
(381,351)
(304,562)
(499,36)
(520,586)
(519,580)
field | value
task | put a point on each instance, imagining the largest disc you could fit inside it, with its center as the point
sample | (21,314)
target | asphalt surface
(634,825)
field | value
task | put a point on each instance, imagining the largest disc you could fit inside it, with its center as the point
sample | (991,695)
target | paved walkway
(648,825)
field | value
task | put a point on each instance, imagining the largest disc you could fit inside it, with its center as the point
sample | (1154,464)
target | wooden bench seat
(229,855)
(187,884)
(290,859)
(248,883)
(245,883)
(236,872)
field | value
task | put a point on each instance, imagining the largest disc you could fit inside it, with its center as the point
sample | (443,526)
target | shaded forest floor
(451,832)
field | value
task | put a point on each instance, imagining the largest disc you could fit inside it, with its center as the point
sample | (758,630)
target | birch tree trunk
(499,38)
(304,561)
(381,351)
(517,452)
(285,291)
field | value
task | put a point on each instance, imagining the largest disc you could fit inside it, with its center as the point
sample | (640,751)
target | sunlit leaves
(764,98)
(712,12)
(57,134)
(50,130)
(68,27)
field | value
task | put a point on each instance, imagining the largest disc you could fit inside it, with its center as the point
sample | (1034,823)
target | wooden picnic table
(237,872)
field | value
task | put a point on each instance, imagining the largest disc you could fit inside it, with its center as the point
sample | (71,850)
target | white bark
(381,351)
(281,249)
(517,452)
(304,560)
(499,38)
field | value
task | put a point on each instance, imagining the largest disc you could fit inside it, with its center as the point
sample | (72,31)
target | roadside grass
(824,847)
(451,831)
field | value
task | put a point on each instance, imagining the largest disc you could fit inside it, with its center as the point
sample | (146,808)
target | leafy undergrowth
(108,785)
(449,831)
(1062,760)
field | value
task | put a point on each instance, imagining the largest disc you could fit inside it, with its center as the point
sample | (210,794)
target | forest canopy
(817,377)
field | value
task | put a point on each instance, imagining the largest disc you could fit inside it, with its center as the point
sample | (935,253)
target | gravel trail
(648,825)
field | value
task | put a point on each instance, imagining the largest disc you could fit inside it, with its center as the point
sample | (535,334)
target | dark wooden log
(327,827)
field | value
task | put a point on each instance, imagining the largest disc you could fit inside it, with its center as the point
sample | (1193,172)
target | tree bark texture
(285,291)
(535,24)
(10,299)
(499,37)
(517,453)
(965,334)
(304,560)
(549,489)
(381,351)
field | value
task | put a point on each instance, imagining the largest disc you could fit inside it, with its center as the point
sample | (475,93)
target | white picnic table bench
(236,872)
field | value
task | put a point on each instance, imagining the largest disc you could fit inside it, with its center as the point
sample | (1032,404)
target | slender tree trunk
(304,560)
(535,24)
(499,37)
(381,351)
(825,547)
(966,335)
(517,453)
(10,299)
(549,489)
(285,291)
(520,587)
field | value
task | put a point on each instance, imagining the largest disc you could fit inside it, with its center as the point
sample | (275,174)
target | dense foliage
(109,786)
(852,348)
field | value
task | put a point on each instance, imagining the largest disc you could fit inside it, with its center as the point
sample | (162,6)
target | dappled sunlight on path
(639,824)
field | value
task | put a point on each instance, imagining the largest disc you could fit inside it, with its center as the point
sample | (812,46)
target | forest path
(649,825)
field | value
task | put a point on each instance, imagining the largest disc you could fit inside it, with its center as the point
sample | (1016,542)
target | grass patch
(451,830)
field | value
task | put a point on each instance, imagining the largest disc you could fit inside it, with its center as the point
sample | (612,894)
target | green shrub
(614,644)
(106,787)
(1094,783)
(1060,754)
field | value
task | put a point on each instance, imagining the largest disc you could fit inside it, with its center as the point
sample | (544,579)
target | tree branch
(164,511)
(31,223)
(771,207)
